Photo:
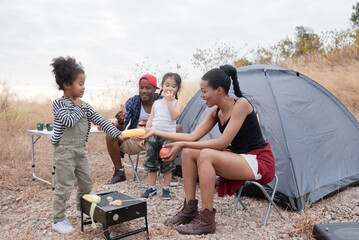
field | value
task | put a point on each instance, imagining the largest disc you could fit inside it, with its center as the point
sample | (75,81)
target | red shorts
(266,168)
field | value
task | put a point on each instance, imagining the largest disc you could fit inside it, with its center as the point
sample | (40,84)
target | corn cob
(137,132)
(93,199)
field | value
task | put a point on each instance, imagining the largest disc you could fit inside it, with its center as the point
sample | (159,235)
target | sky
(109,37)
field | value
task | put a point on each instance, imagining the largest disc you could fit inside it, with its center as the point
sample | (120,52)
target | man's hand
(121,117)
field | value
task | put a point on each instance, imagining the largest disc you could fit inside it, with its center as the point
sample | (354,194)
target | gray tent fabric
(314,138)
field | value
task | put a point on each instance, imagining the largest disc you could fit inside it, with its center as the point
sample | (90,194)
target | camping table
(38,134)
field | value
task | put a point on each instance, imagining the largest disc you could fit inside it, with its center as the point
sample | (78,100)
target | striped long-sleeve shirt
(67,115)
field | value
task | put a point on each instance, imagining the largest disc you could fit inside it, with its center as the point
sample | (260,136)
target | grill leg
(148,236)
(106,232)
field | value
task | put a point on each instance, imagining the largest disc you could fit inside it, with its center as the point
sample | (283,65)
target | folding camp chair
(133,167)
(270,198)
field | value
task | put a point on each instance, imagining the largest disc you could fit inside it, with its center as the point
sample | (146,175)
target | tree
(243,61)
(218,54)
(285,48)
(263,55)
(306,41)
(355,15)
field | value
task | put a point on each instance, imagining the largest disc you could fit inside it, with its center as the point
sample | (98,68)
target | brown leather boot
(203,223)
(186,215)
(118,176)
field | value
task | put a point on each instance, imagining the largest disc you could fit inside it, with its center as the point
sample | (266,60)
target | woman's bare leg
(189,172)
(226,164)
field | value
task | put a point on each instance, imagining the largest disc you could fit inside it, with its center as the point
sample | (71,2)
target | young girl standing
(72,123)
(164,115)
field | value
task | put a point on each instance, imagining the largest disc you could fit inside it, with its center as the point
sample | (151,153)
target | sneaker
(166,195)
(149,193)
(63,227)
(78,214)
(174,182)
(118,176)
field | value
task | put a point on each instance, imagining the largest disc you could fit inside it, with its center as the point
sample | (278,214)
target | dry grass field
(25,211)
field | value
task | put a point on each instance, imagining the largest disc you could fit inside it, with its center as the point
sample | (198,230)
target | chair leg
(270,199)
(273,194)
(238,199)
(133,168)
(138,158)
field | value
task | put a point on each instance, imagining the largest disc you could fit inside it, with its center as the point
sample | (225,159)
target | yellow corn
(92,198)
(137,132)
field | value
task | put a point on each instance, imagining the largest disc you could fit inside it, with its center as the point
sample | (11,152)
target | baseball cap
(152,80)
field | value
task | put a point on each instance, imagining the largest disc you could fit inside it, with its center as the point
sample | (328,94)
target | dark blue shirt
(133,109)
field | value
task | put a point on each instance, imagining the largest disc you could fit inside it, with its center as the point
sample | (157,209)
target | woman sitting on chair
(240,154)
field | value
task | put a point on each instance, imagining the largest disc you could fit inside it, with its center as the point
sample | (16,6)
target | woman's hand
(149,133)
(176,148)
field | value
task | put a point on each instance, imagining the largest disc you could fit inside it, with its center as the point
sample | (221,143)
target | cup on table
(40,126)
(50,126)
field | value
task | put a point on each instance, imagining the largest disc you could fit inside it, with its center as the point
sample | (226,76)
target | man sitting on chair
(138,109)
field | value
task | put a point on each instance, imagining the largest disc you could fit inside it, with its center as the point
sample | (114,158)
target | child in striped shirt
(72,123)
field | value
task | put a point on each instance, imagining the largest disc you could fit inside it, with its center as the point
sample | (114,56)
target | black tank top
(249,136)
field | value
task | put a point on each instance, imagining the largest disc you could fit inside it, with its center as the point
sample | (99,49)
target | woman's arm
(202,129)
(239,112)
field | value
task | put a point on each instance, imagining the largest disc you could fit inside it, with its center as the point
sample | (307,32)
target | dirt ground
(26,210)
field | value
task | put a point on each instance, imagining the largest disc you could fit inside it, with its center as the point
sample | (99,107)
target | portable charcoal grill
(131,208)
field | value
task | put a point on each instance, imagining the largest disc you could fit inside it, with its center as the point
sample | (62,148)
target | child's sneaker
(166,195)
(149,193)
(63,227)
(78,214)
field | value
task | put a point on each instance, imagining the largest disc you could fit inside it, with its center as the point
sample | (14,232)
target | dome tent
(314,138)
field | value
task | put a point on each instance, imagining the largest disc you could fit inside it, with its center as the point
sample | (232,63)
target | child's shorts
(153,161)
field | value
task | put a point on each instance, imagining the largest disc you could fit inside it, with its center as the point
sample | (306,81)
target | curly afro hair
(66,70)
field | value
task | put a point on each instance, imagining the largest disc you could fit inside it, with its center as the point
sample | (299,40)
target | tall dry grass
(16,117)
